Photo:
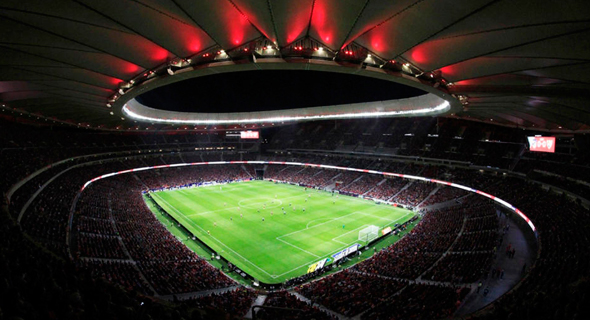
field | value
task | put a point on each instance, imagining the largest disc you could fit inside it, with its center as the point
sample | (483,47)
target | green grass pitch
(229,219)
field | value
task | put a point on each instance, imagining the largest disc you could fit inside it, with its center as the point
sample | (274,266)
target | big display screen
(542,144)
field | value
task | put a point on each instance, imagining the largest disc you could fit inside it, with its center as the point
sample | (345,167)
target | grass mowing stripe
(192,223)
(248,226)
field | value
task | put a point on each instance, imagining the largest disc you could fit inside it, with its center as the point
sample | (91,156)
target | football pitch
(273,231)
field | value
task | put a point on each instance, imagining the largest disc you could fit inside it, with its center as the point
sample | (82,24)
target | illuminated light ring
(137,111)
(404,176)
(435,101)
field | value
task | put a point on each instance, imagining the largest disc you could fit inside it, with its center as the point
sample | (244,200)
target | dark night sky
(271,90)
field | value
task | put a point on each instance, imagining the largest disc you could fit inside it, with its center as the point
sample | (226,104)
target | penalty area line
(212,237)
(294,246)
(330,254)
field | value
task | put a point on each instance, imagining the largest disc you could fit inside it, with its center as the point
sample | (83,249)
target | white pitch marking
(223,244)
(307,225)
(294,246)
(330,254)
(303,265)
(317,225)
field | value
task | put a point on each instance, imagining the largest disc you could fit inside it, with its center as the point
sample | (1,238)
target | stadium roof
(523,63)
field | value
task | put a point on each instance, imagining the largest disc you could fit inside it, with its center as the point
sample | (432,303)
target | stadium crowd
(168,265)
(427,301)
(362,185)
(157,262)
(285,305)
(461,268)
(233,304)
(348,292)
(415,193)
(411,256)
(111,222)
(444,194)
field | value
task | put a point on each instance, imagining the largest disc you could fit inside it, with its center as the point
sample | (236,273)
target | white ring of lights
(434,102)
(425,105)
(404,176)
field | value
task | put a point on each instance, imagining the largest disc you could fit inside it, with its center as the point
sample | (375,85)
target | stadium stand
(117,240)
(350,293)
(430,160)
(233,303)
(296,309)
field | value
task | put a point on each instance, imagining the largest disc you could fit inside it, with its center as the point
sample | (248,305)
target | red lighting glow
(115,81)
(466,82)
(419,56)
(237,26)
(319,21)
(131,68)
(378,40)
(160,54)
(194,45)
(448,70)
(296,16)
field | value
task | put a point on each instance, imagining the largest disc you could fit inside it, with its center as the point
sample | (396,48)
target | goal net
(369,233)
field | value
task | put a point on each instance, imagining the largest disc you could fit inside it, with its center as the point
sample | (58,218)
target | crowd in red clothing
(39,286)
(324,178)
(170,277)
(100,246)
(109,219)
(122,273)
(350,293)
(168,265)
(477,241)
(173,177)
(233,304)
(552,288)
(296,308)
(362,185)
(461,267)
(387,189)
(415,193)
(370,185)
(420,301)
(90,225)
(419,249)
(444,194)
(427,252)
(101,213)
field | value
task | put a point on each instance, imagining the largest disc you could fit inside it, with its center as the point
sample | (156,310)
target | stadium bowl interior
(313,159)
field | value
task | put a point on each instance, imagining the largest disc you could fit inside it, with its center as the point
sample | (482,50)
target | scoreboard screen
(542,144)
(249,134)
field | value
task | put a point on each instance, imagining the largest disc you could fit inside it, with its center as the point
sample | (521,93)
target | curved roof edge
(435,102)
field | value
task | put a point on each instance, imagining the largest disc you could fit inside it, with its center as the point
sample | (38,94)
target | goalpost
(369,233)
